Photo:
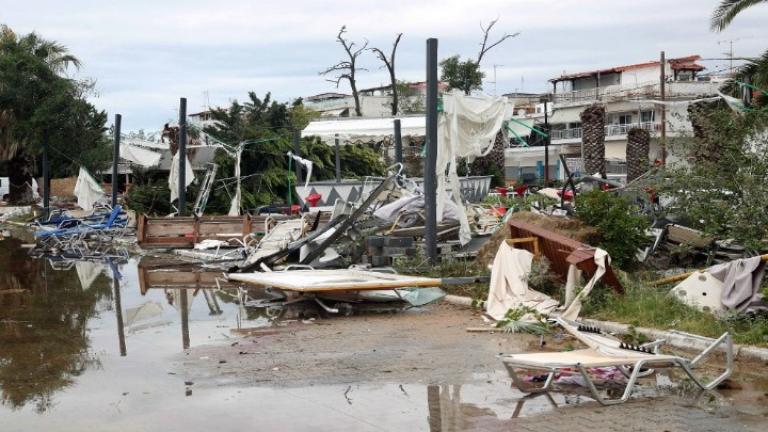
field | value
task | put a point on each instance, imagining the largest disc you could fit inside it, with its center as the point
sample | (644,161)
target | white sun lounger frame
(636,364)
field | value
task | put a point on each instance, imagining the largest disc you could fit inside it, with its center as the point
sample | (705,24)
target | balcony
(613,130)
(617,93)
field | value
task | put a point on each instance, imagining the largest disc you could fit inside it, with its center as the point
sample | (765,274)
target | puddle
(83,350)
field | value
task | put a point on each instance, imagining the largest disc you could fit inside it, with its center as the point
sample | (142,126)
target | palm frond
(728,10)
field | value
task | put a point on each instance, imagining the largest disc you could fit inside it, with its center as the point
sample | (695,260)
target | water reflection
(60,318)
(44,318)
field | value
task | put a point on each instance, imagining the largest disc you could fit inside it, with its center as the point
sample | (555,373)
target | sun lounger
(605,351)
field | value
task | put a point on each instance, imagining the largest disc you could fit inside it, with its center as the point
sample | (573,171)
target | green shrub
(620,226)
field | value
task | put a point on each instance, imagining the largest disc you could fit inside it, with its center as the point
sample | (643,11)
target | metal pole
(183,300)
(398,142)
(338,160)
(297,152)
(546,145)
(182,156)
(662,87)
(116,158)
(118,311)
(430,162)
(46,177)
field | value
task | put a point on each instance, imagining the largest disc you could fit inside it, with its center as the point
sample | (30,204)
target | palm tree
(727,11)
(31,71)
(593,139)
(638,146)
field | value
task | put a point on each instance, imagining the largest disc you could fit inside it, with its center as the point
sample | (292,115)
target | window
(685,75)
(625,119)
(647,116)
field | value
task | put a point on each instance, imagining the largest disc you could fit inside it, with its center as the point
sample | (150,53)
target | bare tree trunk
(20,178)
(353,85)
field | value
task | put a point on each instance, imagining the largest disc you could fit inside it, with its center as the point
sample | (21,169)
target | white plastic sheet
(139,155)
(467,129)
(87,190)
(173,177)
(307,165)
(509,286)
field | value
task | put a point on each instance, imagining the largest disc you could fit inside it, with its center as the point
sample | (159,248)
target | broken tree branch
(484,47)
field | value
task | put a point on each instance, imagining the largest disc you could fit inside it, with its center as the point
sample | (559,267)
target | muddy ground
(428,346)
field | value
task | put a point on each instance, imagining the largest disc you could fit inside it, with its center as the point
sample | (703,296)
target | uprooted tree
(724,195)
(347,69)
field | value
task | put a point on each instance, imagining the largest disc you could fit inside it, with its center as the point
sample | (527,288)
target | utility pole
(46,177)
(430,161)
(494,78)
(662,87)
(546,143)
(116,158)
(182,156)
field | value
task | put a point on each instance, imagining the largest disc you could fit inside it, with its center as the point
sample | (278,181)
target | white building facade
(630,95)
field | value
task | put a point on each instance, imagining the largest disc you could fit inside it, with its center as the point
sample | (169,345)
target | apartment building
(630,95)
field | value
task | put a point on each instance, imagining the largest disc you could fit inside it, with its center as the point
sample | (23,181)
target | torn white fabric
(87,190)
(509,284)
(413,203)
(139,155)
(602,260)
(234,206)
(307,165)
(467,129)
(173,176)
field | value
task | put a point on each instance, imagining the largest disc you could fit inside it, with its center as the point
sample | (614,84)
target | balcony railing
(610,130)
(644,90)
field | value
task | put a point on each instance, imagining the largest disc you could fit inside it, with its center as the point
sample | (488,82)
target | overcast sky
(144,55)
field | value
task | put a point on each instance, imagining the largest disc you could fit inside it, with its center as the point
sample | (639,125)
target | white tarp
(307,165)
(509,286)
(140,156)
(234,205)
(602,261)
(87,190)
(466,129)
(365,127)
(173,177)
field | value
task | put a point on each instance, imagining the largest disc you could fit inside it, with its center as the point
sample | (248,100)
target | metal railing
(610,130)
(643,90)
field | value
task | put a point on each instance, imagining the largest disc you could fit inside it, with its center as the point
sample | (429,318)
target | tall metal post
(338,159)
(46,177)
(182,156)
(546,145)
(662,87)
(183,304)
(297,152)
(116,159)
(430,162)
(118,311)
(398,142)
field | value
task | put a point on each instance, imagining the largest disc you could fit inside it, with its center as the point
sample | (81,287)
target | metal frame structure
(632,368)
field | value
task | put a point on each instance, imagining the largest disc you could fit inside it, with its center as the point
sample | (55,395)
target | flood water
(84,347)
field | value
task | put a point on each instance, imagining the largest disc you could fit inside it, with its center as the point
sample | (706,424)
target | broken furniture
(601,353)
(313,285)
(562,252)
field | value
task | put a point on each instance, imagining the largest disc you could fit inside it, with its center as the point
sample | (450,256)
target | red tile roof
(686,63)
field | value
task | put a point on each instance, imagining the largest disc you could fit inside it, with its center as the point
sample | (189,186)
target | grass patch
(644,306)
